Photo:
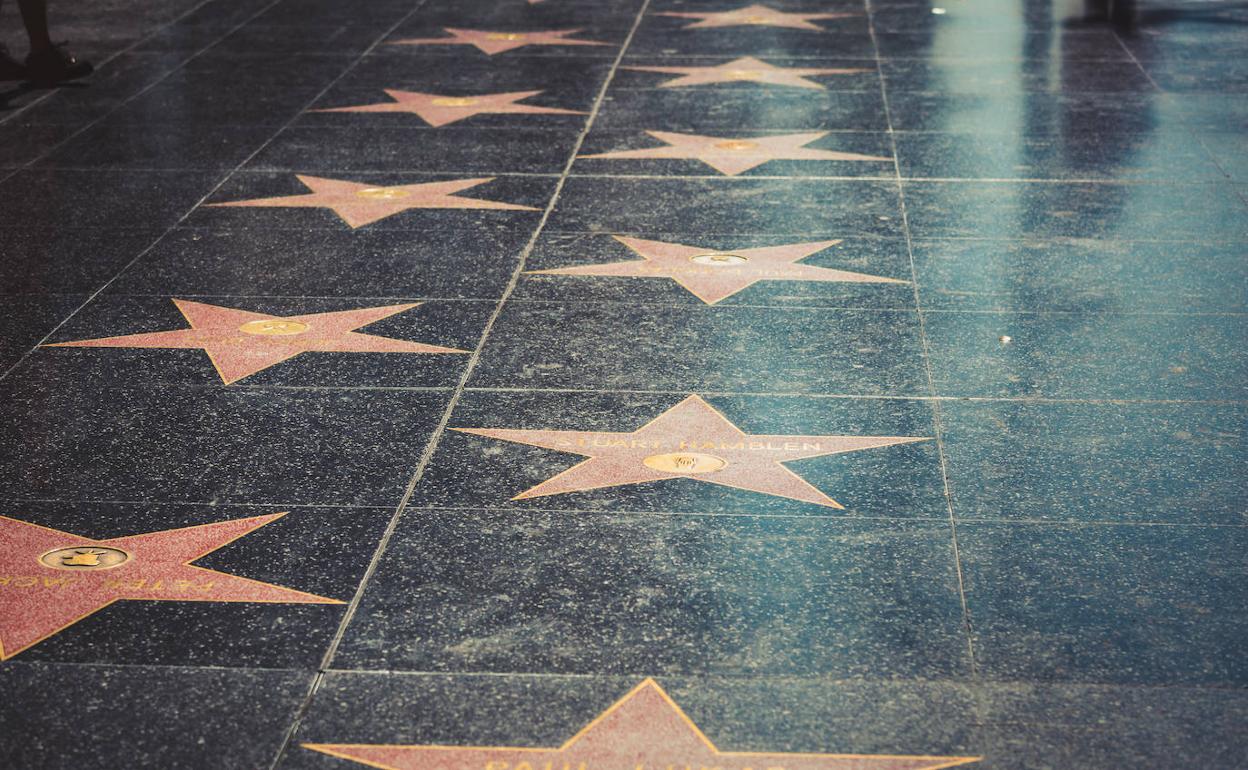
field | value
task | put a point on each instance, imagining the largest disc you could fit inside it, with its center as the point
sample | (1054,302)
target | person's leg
(47,63)
(35,17)
(10,68)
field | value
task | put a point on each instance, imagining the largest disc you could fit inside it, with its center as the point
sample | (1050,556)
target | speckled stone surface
(927,456)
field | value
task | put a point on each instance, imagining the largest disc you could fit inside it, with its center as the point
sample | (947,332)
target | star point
(756,15)
(491,42)
(735,155)
(746,68)
(358,204)
(713,275)
(690,440)
(50,579)
(443,109)
(644,730)
(241,343)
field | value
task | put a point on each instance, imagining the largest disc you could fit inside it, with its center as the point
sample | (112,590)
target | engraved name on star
(360,204)
(50,580)
(241,342)
(644,730)
(756,15)
(736,155)
(491,42)
(748,69)
(442,109)
(691,440)
(714,274)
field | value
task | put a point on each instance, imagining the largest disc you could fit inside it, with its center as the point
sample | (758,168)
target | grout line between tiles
(432,444)
(967,629)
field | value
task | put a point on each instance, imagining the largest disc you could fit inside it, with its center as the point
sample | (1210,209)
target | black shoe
(10,68)
(55,65)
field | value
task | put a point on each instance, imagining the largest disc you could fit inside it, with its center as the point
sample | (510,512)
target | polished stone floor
(626,385)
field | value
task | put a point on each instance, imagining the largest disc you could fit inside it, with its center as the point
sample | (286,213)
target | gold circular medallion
(276,327)
(504,36)
(685,463)
(86,557)
(382,193)
(719,260)
(736,145)
(454,101)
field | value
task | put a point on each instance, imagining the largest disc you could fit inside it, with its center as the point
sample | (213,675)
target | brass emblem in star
(241,343)
(50,580)
(691,440)
(735,155)
(360,204)
(491,43)
(644,730)
(441,109)
(713,274)
(756,15)
(748,69)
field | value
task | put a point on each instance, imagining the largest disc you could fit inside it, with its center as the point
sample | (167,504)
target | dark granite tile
(1105,211)
(807,209)
(21,143)
(26,319)
(54,260)
(101,198)
(235,92)
(455,325)
(1165,463)
(881,257)
(595,346)
(1084,727)
(973,16)
(899,481)
(211,444)
(1088,355)
(1230,153)
(1114,156)
(996,76)
(320,551)
(533,191)
(377,14)
(120,144)
(991,42)
(1036,113)
(735,713)
(188,38)
(1106,604)
(713,110)
(573,85)
(397,148)
(456,263)
(270,39)
(508,592)
(1204,42)
(1221,76)
(223,13)
(70,717)
(1080,275)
